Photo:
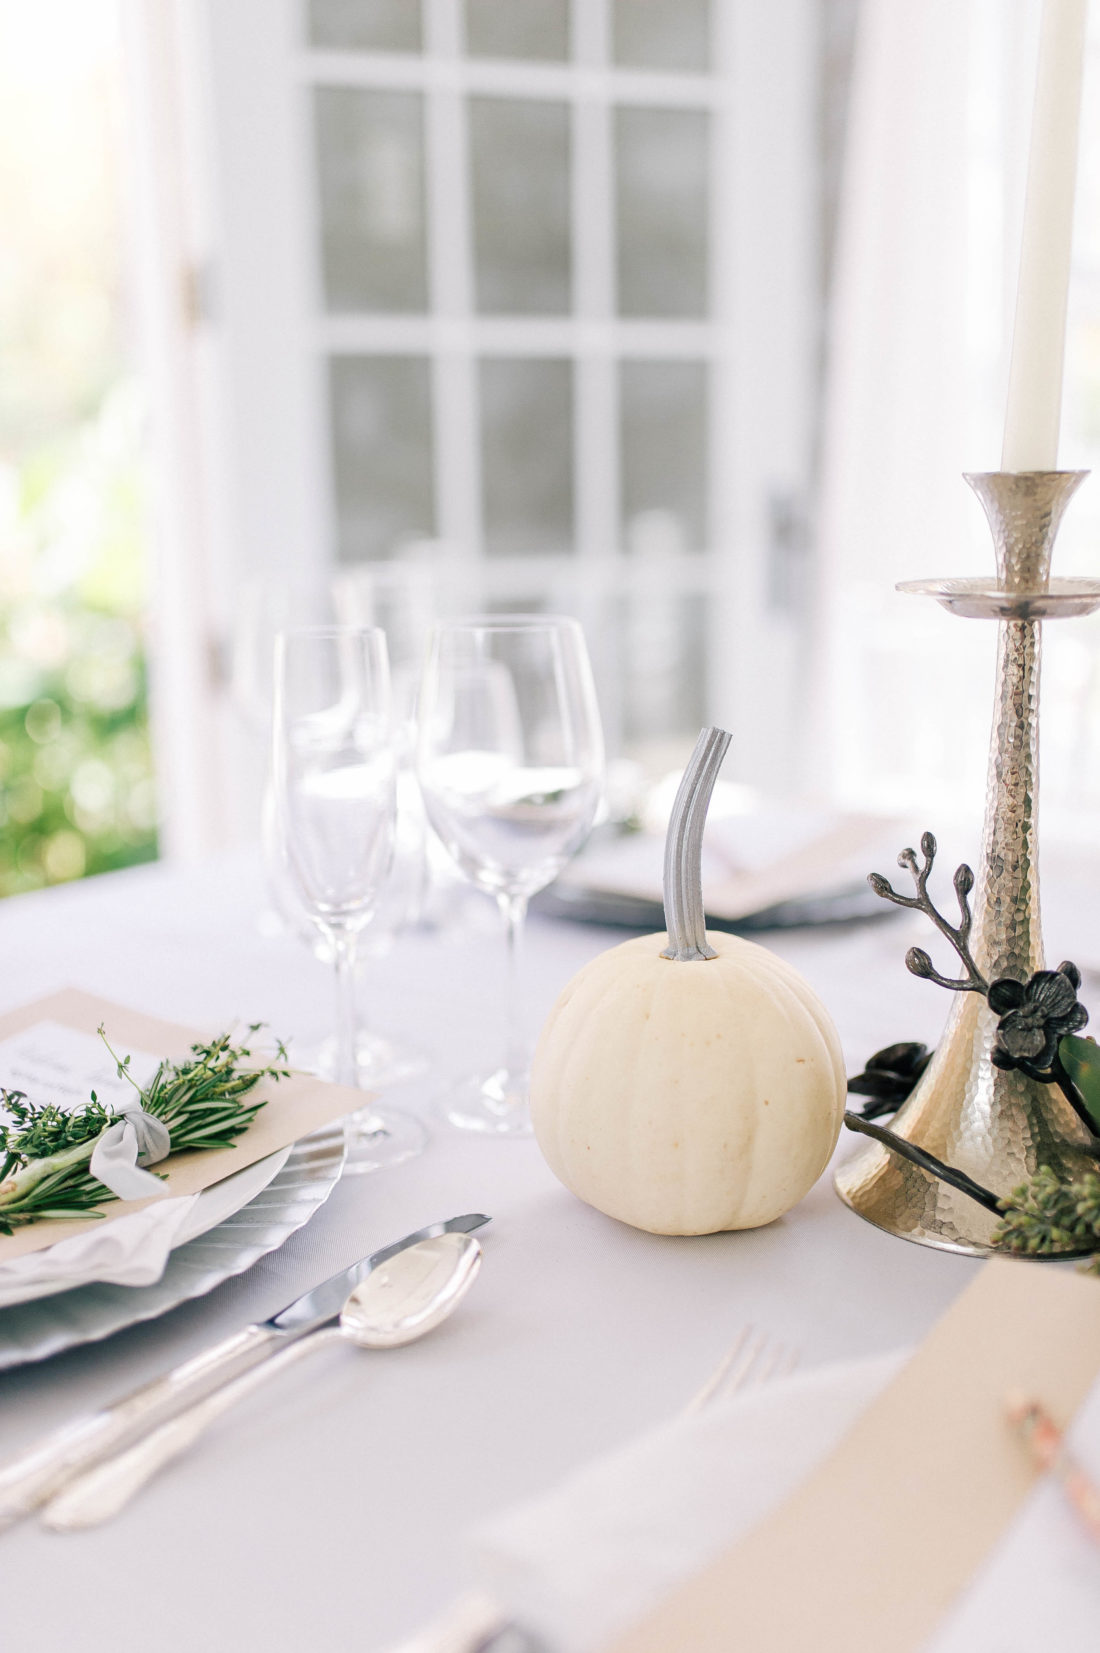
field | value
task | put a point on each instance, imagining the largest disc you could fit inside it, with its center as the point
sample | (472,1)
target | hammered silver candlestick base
(999,1127)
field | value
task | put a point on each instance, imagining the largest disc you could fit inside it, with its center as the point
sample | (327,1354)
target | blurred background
(682,316)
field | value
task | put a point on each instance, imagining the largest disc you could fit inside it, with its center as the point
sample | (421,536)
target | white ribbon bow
(138,1139)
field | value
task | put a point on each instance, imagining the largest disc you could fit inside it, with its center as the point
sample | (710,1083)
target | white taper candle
(1034,406)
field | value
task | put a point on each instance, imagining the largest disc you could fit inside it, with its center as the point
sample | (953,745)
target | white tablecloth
(328,1514)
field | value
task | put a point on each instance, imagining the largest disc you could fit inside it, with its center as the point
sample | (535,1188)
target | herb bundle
(203,1100)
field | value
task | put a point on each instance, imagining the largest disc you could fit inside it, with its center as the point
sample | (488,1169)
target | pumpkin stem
(684,918)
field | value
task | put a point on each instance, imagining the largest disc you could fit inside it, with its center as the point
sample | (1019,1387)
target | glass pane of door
(365,25)
(370,172)
(662,34)
(662,655)
(663,441)
(518,28)
(527,455)
(520,160)
(662,184)
(382,453)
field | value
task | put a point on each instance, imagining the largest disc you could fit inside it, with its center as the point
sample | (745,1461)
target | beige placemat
(295,1107)
(871,1551)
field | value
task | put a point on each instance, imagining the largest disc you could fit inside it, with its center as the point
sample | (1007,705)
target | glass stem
(514,911)
(347,1030)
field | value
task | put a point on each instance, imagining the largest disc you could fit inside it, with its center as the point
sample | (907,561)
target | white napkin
(133,1250)
(577,1566)
(123,1251)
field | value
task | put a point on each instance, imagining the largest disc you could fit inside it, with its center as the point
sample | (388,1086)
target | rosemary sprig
(203,1100)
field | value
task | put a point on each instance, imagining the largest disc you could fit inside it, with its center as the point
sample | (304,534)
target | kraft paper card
(876,1545)
(33,1038)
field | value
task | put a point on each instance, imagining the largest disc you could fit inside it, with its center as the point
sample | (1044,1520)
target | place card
(49,1062)
(50,1049)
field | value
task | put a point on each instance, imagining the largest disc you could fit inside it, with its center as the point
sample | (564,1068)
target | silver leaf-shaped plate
(33,1331)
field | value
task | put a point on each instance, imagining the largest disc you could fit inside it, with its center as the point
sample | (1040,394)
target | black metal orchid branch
(916,959)
(927,1162)
(889,1077)
(1047,1216)
(1035,1017)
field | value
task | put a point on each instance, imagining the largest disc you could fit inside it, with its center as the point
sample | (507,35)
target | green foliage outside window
(76,788)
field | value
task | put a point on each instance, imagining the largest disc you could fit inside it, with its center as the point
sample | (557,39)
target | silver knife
(36,1475)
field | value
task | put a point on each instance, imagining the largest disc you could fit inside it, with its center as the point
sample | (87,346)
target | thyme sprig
(38,1131)
(203,1100)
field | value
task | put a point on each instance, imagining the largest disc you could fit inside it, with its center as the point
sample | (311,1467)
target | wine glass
(333,787)
(510,762)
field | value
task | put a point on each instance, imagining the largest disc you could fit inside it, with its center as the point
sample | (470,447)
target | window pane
(662,34)
(661,197)
(527,453)
(365,25)
(662,641)
(517,28)
(521,602)
(370,158)
(664,448)
(382,453)
(520,159)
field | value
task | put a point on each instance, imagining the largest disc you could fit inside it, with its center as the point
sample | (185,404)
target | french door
(536,285)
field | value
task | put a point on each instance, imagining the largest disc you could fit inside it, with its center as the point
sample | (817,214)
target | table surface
(330,1510)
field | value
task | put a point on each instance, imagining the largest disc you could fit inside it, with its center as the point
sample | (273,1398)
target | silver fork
(751,1360)
(475,1624)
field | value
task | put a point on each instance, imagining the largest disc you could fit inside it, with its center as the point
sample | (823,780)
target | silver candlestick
(998,1127)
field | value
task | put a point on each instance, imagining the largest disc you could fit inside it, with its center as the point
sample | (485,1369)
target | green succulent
(1046,1216)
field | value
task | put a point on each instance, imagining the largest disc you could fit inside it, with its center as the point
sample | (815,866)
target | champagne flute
(333,783)
(510,763)
(398,598)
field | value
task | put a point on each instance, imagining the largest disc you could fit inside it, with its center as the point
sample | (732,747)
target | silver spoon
(398,1302)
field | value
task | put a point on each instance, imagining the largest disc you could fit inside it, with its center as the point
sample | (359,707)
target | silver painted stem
(684,919)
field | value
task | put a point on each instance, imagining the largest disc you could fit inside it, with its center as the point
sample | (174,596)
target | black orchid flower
(1035,1016)
(889,1077)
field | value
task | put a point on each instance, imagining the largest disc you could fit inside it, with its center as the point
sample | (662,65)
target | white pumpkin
(688,1097)
(692,1093)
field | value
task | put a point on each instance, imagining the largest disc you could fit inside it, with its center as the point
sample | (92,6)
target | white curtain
(917,368)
